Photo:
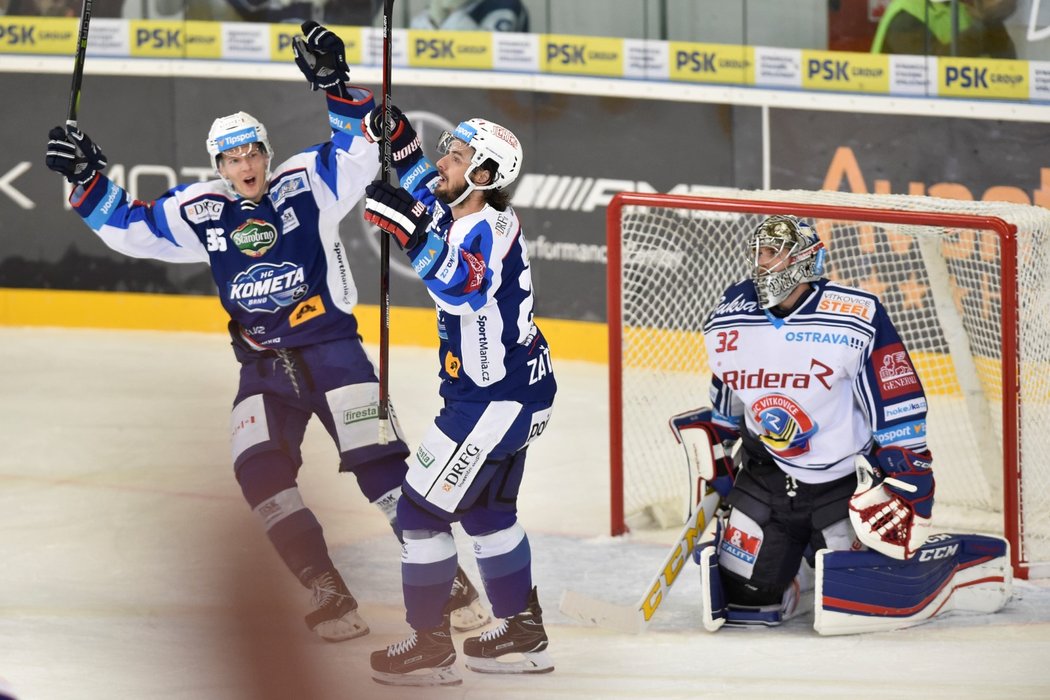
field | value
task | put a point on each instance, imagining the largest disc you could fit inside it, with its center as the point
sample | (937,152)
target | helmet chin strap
(471,186)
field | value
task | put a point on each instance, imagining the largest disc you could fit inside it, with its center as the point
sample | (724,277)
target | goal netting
(966,284)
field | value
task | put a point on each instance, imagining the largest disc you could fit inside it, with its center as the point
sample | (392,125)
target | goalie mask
(491,142)
(235,132)
(799,256)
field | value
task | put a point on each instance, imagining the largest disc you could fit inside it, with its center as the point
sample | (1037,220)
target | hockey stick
(384,240)
(634,618)
(78,65)
(702,504)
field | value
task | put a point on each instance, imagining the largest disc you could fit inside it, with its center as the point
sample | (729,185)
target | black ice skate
(464,608)
(335,617)
(424,659)
(518,645)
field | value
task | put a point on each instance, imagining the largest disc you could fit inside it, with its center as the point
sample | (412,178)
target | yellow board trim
(569,340)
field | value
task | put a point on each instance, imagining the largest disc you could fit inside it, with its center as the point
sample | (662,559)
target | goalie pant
(774,523)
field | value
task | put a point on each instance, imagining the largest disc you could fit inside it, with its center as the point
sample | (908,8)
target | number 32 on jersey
(727,341)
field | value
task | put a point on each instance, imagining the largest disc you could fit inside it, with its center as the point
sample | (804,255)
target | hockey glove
(893,503)
(321,57)
(397,212)
(71,153)
(404,142)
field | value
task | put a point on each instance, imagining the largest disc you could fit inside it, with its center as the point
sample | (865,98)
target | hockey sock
(298,538)
(387,503)
(428,566)
(505,563)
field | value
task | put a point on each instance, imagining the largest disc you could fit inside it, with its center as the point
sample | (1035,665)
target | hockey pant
(279,392)
(469,470)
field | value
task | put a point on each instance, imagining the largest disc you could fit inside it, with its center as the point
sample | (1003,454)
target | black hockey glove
(397,212)
(321,56)
(71,153)
(404,142)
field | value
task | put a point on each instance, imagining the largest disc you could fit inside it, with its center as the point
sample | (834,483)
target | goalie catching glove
(321,56)
(893,503)
(71,153)
(397,212)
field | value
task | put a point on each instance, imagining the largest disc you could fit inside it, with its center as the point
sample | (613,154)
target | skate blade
(469,617)
(531,662)
(423,678)
(349,626)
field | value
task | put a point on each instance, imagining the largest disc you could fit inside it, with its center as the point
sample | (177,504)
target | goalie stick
(634,618)
(699,457)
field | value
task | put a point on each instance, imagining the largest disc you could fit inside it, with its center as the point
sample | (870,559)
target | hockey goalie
(833,484)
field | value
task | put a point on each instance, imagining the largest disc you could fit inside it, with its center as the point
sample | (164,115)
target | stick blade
(592,611)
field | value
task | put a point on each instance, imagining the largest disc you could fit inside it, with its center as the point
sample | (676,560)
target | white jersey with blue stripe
(818,386)
(279,265)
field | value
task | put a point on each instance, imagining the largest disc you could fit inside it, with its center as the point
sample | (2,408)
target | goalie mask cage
(965,283)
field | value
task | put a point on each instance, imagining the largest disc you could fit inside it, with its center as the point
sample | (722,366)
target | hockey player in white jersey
(807,374)
(270,234)
(465,242)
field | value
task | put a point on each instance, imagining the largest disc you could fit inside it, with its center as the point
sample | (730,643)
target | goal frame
(1007,233)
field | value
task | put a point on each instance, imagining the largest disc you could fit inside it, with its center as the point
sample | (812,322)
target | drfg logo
(158,38)
(14,34)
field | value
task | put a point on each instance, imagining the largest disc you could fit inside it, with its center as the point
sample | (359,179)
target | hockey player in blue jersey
(465,242)
(270,235)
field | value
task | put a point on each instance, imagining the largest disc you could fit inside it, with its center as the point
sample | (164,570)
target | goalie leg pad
(871,592)
(712,598)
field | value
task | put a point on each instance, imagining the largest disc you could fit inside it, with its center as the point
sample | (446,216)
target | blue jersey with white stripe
(281,270)
(477,271)
(817,386)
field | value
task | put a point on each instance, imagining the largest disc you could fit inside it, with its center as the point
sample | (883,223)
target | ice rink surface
(131,568)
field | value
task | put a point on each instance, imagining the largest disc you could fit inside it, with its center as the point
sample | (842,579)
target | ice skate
(335,617)
(518,645)
(424,659)
(464,607)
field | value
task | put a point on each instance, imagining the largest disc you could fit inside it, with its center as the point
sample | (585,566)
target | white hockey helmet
(235,130)
(490,141)
(804,258)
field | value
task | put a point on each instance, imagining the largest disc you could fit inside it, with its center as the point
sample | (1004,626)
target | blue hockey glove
(397,212)
(321,57)
(71,153)
(405,147)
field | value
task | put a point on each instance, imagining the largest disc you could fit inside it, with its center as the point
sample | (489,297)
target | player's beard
(449,193)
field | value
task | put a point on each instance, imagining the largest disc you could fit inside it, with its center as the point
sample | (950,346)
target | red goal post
(966,283)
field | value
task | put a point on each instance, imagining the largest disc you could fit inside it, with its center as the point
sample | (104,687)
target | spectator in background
(40,8)
(476,15)
(924,27)
(297,11)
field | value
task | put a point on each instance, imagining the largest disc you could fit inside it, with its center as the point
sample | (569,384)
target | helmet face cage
(802,254)
(490,142)
(240,129)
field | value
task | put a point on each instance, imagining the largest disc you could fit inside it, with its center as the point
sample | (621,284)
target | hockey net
(966,284)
